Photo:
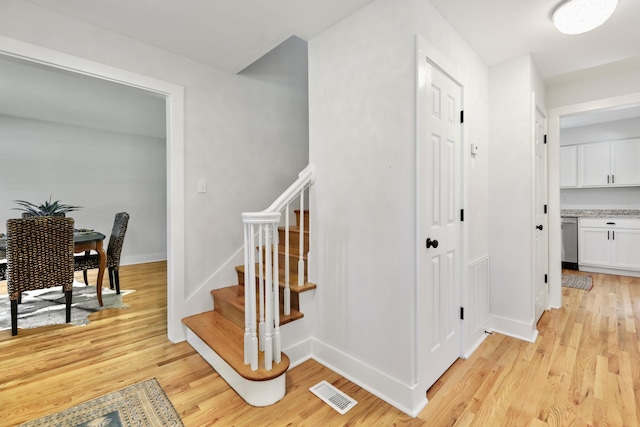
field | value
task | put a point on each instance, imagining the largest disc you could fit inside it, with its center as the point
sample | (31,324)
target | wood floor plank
(45,370)
(584,369)
(590,351)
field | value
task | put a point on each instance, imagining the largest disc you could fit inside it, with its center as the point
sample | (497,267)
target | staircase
(219,335)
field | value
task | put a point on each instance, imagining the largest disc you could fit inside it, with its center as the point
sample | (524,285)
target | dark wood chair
(114,249)
(39,255)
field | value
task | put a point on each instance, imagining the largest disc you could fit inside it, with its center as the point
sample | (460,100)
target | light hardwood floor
(584,369)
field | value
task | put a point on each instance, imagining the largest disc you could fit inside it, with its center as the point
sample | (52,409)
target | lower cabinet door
(595,247)
(626,249)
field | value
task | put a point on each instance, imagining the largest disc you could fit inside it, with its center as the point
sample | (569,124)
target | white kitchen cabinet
(625,162)
(626,249)
(569,166)
(594,246)
(610,243)
(595,164)
(609,164)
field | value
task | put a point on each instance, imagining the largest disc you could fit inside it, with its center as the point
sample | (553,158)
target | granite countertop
(601,213)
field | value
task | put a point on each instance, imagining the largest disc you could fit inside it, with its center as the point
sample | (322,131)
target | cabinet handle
(607,179)
(608,238)
(613,179)
(611,223)
(614,235)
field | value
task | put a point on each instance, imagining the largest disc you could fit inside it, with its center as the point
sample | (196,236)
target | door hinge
(462,116)
(545,139)
(462,215)
(546,278)
(461,313)
(545,208)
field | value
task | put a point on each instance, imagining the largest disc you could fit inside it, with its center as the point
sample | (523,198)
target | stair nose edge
(225,339)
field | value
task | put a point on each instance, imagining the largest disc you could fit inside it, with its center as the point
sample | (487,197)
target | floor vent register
(333,397)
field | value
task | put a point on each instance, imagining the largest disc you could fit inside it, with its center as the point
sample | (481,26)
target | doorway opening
(174,100)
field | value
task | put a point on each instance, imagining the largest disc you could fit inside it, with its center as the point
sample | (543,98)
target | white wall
(238,132)
(104,172)
(600,198)
(593,85)
(511,183)
(597,132)
(362,142)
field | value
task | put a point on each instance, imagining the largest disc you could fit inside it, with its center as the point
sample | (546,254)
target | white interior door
(541,222)
(439,195)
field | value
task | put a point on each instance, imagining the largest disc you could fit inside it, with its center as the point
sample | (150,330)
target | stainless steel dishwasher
(569,228)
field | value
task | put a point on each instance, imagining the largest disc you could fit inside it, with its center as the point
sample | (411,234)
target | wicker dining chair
(114,249)
(39,256)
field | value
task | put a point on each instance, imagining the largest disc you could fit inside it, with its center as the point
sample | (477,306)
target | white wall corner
(472,343)
(201,300)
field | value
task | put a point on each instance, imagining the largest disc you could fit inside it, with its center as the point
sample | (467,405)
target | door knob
(431,243)
(539,227)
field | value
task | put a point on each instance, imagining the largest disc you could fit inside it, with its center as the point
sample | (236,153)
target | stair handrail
(305,178)
(263,334)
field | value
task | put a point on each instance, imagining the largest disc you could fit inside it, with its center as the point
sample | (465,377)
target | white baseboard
(141,259)
(614,271)
(514,328)
(408,399)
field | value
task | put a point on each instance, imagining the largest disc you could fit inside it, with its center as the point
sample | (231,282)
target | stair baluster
(267,290)
(287,280)
(261,325)
(265,225)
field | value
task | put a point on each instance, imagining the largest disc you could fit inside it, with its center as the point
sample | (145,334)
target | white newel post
(260,337)
(250,334)
(263,333)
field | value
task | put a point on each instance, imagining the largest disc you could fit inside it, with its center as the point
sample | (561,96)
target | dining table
(83,241)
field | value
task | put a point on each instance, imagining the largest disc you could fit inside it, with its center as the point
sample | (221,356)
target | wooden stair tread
(293,252)
(293,277)
(230,296)
(295,229)
(227,340)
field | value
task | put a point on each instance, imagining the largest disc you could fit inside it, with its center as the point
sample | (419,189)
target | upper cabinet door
(569,166)
(595,165)
(625,162)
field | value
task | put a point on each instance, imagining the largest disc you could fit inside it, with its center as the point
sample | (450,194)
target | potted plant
(48,208)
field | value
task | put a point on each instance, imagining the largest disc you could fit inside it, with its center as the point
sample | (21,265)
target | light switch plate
(202,186)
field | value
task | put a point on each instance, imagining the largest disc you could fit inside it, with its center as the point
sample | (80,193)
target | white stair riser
(255,393)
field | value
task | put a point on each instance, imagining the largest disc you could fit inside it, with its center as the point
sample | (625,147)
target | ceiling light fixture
(580,16)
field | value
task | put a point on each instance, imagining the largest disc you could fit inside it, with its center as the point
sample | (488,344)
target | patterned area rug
(47,307)
(144,404)
(577,281)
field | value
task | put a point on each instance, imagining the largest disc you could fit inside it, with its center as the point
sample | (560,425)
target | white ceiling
(39,92)
(231,34)
(228,34)
(503,29)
